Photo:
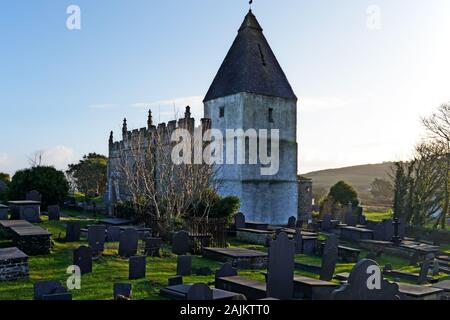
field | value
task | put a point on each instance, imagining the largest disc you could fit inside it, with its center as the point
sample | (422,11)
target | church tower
(251,91)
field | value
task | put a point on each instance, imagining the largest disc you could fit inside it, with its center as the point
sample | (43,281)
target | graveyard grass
(110,269)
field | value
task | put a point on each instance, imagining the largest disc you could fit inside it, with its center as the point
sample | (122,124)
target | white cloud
(59,156)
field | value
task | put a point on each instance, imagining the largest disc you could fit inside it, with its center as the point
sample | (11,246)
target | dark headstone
(54,213)
(96,238)
(57,297)
(239,220)
(153,246)
(329,259)
(30,213)
(4,210)
(424,268)
(326,223)
(42,288)
(180,243)
(280,269)
(291,222)
(129,239)
(199,291)
(122,290)
(298,241)
(175,281)
(73,231)
(82,257)
(113,234)
(226,271)
(436,267)
(203,271)
(359,284)
(137,267)
(33,195)
(184,265)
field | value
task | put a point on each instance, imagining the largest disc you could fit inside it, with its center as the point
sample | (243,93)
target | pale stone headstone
(280,269)
(180,243)
(329,258)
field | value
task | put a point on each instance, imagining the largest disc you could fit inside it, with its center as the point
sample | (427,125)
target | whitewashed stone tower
(251,91)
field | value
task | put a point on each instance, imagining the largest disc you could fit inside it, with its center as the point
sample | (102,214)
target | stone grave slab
(180,292)
(57,297)
(312,289)
(237,257)
(417,292)
(13,264)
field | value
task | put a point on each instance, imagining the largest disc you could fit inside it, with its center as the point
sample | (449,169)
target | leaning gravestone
(280,268)
(96,238)
(122,290)
(42,288)
(184,265)
(329,258)
(367,283)
(180,243)
(226,270)
(73,231)
(113,234)
(128,244)
(199,291)
(298,241)
(291,222)
(326,223)
(82,257)
(239,220)
(54,213)
(424,268)
(137,267)
(33,195)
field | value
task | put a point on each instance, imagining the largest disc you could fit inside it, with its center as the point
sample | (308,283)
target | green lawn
(110,268)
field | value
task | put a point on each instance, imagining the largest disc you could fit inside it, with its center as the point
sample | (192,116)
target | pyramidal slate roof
(250,66)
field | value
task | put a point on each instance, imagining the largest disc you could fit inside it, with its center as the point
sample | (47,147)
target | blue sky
(361,90)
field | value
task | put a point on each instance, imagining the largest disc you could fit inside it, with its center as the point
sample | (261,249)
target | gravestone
(30,213)
(122,290)
(54,213)
(82,257)
(129,239)
(291,222)
(42,288)
(226,270)
(384,231)
(175,281)
(153,246)
(326,223)
(113,234)
(424,268)
(298,240)
(329,258)
(203,271)
(199,291)
(239,220)
(280,269)
(180,243)
(73,231)
(96,238)
(362,284)
(33,195)
(184,265)
(57,297)
(436,268)
(137,267)
(4,212)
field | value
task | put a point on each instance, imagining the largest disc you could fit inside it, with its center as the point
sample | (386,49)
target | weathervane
(250,3)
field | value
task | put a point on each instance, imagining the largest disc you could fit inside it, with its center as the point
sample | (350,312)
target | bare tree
(35,159)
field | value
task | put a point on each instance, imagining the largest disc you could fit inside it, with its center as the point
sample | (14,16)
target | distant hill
(360,177)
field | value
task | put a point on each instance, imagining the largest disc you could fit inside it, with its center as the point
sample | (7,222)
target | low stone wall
(435,236)
(13,264)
